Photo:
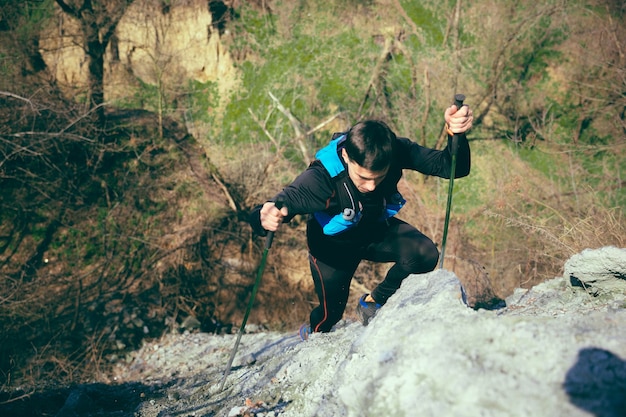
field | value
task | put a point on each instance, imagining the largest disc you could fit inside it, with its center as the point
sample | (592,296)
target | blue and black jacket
(324,191)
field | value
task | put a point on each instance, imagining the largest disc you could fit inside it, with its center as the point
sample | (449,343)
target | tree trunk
(98,23)
(95,55)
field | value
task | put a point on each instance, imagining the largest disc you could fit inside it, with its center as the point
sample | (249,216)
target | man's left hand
(459,120)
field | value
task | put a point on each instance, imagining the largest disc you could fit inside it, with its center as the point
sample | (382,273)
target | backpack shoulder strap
(329,156)
(350,214)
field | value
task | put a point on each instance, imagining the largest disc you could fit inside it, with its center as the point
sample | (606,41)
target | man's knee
(431,256)
(424,256)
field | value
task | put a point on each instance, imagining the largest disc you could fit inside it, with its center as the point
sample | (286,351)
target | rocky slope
(557,349)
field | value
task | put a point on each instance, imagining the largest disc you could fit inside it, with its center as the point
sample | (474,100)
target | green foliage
(20,25)
(542,161)
(430,20)
(26,17)
(5,65)
(469,192)
(145,96)
(399,75)
(307,74)
(538,52)
(256,30)
(321,64)
(202,98)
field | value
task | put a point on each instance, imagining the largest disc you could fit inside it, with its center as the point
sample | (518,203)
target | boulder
(598,271)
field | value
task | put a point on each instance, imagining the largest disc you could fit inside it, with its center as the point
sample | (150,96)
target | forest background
(135,137)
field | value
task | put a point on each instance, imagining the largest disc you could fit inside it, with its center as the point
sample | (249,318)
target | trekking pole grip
(458,102)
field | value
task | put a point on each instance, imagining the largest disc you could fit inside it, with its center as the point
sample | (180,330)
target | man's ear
(344,155)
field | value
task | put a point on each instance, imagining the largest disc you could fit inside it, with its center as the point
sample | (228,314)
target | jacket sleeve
(435,162)
(255,221)
(308,193)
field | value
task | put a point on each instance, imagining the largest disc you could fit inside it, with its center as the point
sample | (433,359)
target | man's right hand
(271,217)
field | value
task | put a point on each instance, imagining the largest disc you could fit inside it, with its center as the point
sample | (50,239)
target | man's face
(365,180)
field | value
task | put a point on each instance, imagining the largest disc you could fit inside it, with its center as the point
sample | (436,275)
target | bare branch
(295,123)
(30,103)
(324,123)
(384,55)
(262,126)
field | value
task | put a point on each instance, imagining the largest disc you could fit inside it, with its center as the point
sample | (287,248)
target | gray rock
(554,350)
(599,271)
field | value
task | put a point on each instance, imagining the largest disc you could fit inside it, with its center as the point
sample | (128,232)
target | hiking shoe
(366,310)
(305,331)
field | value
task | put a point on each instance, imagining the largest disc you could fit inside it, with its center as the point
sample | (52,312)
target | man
(351,193)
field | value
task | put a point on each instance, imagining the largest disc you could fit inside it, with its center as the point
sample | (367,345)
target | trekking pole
(268,245)
(458,102)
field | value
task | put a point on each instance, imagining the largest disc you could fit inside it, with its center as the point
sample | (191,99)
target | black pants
(411,250)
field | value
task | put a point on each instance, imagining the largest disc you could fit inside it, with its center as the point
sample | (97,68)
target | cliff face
(155,45)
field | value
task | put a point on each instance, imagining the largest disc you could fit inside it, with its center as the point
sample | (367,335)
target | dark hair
(370,144)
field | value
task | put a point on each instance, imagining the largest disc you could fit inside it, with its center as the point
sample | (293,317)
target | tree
(98,20)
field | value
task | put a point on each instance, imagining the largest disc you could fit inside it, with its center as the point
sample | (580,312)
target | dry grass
(531,225)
